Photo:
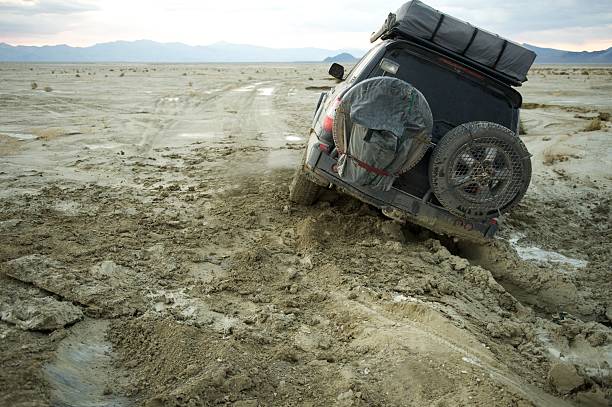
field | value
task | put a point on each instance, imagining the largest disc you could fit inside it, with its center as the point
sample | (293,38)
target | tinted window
(453,99)
(361,65)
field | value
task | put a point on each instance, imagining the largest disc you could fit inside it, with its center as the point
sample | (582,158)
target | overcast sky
(332,24)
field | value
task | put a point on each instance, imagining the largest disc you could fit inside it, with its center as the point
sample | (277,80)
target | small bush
(550,158)
(533,106)
(48,89)
(122,74)
(604,116)
(593,125)
(34,85)
(522,129)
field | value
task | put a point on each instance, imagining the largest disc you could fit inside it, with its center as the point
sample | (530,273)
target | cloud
(19,25)
(281,23)
(36,7)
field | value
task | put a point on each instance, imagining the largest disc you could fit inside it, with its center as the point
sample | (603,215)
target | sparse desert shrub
(122,74)
(522,129)
(604,116)
(594,125)
(34,85)
(533,106)
(77,75)
(46,134)
(48,89)
(585,72)
(550,158)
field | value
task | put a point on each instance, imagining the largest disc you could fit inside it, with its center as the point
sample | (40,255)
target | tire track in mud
(171,115)
(429,339)
(81,373)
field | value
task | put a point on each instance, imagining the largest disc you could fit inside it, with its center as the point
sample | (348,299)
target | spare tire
(382,129)
(480,170)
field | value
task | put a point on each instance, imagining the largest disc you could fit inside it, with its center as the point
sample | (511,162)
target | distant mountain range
(555,56)
(151,51)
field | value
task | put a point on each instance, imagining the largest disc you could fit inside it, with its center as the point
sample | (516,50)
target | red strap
(369,168)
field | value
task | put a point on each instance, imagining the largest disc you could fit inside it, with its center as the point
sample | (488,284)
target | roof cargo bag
(415,20)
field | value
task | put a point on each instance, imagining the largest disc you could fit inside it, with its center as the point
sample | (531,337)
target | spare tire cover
(382,128)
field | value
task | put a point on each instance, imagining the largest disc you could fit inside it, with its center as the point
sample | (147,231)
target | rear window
(361,65)
(453,98)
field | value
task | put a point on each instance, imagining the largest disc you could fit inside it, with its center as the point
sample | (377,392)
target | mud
(153,206)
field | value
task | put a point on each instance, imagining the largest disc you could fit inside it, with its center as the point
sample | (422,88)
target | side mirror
(337,71)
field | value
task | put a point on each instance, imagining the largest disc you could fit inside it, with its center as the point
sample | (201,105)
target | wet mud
(150,255)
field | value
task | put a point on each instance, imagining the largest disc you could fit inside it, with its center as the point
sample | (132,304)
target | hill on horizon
(556,56)
(343,57)
(151,51)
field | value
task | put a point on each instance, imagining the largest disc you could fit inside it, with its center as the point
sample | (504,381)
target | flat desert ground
(149,254)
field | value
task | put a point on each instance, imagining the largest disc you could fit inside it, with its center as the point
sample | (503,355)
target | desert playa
(150,256)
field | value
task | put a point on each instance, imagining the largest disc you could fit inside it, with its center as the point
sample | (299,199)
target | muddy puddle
(82,372)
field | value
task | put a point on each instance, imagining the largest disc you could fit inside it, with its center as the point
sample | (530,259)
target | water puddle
(20,136)
(102,146)
(537,254)
(82,374)
(292,137)
(169,99)
(281,159)
(265,91)
(247,88)
(199,136)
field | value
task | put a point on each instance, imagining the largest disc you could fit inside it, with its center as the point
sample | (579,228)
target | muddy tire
(480,170)
(302,190)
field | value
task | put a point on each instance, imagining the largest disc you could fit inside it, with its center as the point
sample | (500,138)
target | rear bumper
(398,204)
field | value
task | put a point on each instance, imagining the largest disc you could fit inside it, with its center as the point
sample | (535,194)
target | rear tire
(302,190)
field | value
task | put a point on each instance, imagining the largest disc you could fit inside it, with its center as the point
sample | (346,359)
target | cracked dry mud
(150,255)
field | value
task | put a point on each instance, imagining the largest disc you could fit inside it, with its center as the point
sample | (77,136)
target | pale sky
(331,24)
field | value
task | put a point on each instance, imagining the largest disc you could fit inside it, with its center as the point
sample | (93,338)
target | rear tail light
(328,124)
(323,147)
(330,115)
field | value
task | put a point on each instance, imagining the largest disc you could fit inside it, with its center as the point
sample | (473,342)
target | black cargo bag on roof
(416,20)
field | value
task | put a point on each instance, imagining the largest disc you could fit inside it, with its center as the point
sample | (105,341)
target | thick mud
(150,255)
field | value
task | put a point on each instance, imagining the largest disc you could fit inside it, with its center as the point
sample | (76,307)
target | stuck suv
(425,126)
